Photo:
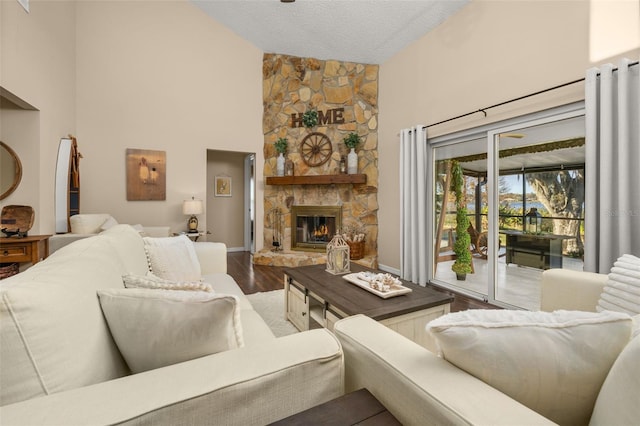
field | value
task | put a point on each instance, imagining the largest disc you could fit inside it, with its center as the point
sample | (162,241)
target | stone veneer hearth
(293,85)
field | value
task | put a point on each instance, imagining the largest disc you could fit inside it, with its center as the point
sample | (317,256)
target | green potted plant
(310,118)
(462,265)
(351,141)
(281,147)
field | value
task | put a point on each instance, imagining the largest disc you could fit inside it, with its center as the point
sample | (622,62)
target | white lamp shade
(191,207)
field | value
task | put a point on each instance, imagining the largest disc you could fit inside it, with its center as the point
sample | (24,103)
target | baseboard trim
(235,249)
(389,269)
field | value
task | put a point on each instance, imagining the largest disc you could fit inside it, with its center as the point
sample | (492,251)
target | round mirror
(10,171)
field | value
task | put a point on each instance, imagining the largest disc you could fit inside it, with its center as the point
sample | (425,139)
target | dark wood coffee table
(315,298)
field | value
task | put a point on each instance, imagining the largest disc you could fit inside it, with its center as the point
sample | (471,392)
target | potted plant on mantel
(281,147)
(462,265)
(351,141)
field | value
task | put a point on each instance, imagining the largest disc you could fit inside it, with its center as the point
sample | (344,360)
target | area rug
(270,306)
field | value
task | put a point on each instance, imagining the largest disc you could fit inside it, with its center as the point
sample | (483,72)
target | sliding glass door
(522,194)
(470,159)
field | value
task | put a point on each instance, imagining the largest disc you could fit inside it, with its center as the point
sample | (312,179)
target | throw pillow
(155,328)
(552,362)
(173,258)
(151,281)
(621,292)
(617,402)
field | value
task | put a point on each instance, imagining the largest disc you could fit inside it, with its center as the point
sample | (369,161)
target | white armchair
(89,224)
(570,290)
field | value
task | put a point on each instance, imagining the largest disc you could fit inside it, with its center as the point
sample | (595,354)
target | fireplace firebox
(312,227)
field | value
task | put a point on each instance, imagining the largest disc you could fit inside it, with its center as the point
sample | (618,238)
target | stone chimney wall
(293,85)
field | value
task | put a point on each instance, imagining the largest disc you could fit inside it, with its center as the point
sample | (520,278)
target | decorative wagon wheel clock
(316,149)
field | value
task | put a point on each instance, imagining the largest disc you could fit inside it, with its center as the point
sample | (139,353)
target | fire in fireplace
(312,227)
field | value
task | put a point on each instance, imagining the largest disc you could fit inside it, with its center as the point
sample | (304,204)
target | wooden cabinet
(24,250)
(307,310)
(296,306)
(412,325)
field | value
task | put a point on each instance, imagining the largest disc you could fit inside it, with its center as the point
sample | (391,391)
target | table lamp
(192,207)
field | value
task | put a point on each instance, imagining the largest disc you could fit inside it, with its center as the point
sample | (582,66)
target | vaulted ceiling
(364,31)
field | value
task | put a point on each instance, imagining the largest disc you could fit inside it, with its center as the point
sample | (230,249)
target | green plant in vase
(281,147)
(462,265)
(351,141)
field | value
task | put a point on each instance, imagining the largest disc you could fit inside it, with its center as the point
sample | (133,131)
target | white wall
(164,76)
(489,52)
(38,66)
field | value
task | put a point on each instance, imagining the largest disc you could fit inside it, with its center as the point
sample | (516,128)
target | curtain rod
(484,110)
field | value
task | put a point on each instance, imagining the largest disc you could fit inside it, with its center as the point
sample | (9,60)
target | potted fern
(462,265)
(281,147)
(351,141)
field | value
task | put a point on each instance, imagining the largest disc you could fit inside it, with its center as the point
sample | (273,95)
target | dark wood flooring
(257,278)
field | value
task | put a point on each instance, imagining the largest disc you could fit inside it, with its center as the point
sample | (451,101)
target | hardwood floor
(257,278)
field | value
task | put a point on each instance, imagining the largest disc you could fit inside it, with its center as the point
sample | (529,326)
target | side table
(24,250)
(192,235)
(355,408)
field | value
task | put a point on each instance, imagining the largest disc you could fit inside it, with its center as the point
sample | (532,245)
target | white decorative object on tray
(383,285)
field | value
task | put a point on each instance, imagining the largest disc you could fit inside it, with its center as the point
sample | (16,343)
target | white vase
(280,165)
(352,162)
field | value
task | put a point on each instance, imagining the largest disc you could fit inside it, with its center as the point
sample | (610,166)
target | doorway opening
(230,212)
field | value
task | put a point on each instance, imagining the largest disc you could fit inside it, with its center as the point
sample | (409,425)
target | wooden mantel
(316,180)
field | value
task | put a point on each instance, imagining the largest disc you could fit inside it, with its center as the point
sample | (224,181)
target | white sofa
(60,366)
(86,225)
(420,388)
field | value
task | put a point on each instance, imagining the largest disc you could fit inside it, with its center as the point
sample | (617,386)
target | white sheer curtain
(413,205)
(612,165)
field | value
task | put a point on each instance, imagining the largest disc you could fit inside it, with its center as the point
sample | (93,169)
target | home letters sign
(330,116)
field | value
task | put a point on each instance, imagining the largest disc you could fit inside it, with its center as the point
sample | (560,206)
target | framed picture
(146,175)
(223,186)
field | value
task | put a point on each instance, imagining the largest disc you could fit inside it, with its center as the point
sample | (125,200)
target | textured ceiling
(364,31)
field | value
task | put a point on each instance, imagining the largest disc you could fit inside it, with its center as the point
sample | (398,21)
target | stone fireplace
(312,227)
(345,95)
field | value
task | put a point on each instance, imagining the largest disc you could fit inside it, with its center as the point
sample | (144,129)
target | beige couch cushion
(617,402)
(156,328)
(129,248)
(552,362)
(50,349)
(225,284)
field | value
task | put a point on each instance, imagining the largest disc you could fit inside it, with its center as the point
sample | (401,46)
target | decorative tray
(382,285)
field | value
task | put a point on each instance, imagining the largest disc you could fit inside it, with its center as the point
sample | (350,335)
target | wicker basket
(356,250)
(8,269)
